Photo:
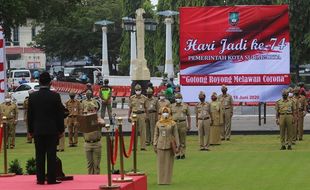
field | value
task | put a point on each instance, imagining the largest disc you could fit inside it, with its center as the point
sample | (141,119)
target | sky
(154,2)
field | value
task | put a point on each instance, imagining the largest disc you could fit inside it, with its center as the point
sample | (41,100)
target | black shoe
(40,182)
(177,157)
(54,182)
(182,157)
(222,139)
(71,145)
(228,139)
(29,142)
(289,147)
(300,139)
(142,149)
(293,143)
(283,148)
(207,149)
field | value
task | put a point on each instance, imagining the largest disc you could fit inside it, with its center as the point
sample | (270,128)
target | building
(20,53)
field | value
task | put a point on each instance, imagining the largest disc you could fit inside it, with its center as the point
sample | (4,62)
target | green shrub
(31,166)
(15,167)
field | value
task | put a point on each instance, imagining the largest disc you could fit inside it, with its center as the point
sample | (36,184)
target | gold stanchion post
(135,172)
(122,178)
(5,160)
(110,185)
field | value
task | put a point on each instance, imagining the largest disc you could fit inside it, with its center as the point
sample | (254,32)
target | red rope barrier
(132,137)
(114,154)
(1,136)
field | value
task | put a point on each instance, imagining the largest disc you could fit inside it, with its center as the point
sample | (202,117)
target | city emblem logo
(233,18)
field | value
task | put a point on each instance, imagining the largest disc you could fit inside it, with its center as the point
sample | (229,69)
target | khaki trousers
(204,133)
(93,157)
(300,126)
(10,137)
(108,107)
(150,127)
(182,129)
(73,131)
(286,124)
(226,130)
(215,134)
(141,128)
(61,145)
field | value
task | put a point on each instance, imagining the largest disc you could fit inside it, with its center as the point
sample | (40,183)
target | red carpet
(80,182)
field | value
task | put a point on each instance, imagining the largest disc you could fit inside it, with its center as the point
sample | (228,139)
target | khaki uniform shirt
(151,104)
(25,106)
(216,111)
(137,103)
(285,107)
(302,103)
(164,133)
(74,107)
(89,106)
(202,110)
(180,111)
(226,100)
(9,111)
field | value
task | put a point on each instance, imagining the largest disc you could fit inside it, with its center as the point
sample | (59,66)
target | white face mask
(7,100)
(165,115)
(178,100)
(290,94)
(138,92)
(162,97)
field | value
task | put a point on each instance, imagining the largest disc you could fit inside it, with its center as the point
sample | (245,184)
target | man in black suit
(46,124)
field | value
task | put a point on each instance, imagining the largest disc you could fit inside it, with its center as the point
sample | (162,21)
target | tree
(72,36)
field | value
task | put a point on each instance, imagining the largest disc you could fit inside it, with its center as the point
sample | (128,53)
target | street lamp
(139,71)
(105,63)
(129,24)
(168,21)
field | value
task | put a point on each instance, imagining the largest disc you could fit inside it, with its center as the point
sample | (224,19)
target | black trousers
(46,147)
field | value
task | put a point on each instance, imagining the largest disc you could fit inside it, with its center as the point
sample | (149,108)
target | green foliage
(31,166)
(15,167)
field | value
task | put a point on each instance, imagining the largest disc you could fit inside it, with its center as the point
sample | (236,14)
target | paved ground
(245,119)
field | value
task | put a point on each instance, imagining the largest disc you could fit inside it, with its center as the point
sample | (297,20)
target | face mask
(178,100)
(88,97)
(162,97)
(149,95)
(284,96)
(202,99)
(71,97)
(165,115)
(138,92)
(224,91)
(7,100)
(290,94)
(214,98)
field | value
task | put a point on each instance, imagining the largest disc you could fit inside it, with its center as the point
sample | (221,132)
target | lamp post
(105,62)
(140,73)
(168,21)
(129,25)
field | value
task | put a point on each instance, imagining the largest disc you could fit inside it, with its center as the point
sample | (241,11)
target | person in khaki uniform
(137,105)
(294,99)
(162,102)
(285,110)
(151,105)
(227,104)
(217,120)
(165,131)
(92,144)
(25,106)
(74,108)
(301,110)
(106,97)
(203,121)
(181,115)
(9,110)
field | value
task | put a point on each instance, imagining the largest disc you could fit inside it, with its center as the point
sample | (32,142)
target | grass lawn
(246,162)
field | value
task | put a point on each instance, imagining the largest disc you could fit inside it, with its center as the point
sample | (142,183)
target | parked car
(21,92)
